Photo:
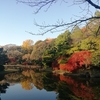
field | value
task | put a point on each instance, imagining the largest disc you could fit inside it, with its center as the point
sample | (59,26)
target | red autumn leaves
(80,89)
(76,61)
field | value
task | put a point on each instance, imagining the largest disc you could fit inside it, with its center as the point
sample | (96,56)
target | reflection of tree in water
(31,78)
(53,83)
(37,80)
(27,78)
(67,88)
(14,77)
(95,84)
(27,73)
(23,78)
(3,86)
(80,89)
(27,83)
(50,81)
(64,93)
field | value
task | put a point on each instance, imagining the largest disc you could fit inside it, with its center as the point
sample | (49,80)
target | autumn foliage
(80,89)
(76,61)
(12,60)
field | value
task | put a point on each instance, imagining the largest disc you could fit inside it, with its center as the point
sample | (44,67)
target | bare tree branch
(93,4)
(39,4)
(52,28)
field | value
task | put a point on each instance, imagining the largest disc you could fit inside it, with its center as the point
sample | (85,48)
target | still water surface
(29,85)
(16,92)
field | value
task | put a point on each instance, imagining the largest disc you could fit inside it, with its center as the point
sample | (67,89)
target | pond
(30,85)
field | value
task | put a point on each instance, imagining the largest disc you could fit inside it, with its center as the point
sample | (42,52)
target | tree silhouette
(3,87)
(3,57)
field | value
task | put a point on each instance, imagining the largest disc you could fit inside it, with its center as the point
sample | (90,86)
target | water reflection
(65,88)
(80,89)
(3,85)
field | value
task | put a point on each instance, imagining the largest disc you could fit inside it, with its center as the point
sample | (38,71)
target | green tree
(76,35)
(59,48)
(63,38)
(39,48)
(88,44)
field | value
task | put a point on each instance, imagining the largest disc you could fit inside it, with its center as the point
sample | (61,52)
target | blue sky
(16,18)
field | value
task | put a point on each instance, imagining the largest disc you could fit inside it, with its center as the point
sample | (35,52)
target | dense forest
(69,51)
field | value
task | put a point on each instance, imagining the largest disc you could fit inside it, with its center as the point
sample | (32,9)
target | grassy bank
(8,71)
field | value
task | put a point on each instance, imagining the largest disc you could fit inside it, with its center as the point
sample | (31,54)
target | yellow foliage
(27,84)
(27,44)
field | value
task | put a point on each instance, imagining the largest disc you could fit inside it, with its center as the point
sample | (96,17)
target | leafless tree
(61,25)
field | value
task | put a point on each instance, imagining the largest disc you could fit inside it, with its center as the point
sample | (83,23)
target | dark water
(29,85)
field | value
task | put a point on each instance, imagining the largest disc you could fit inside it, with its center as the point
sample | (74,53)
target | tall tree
(40,47)
(76,34)
(63,38)
(28,45)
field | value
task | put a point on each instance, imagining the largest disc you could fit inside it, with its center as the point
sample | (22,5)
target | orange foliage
(56,65)
(76,61)
(78,88)
(84,29)
(62,66)
(48,40)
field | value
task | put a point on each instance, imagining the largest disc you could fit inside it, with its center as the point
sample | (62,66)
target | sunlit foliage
(27,45)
